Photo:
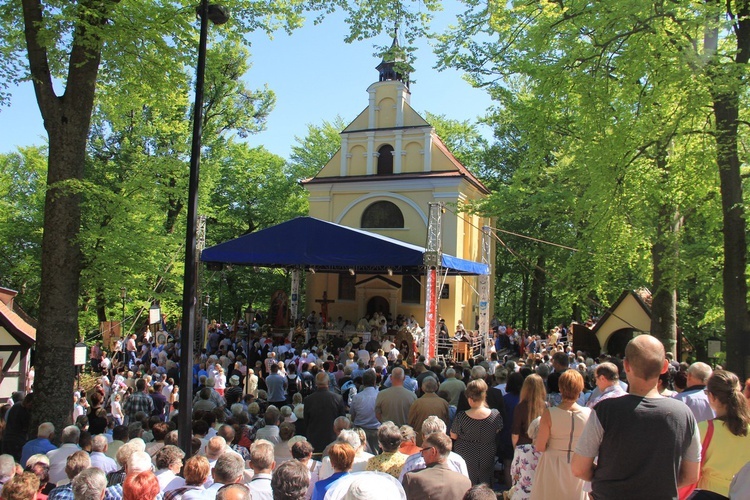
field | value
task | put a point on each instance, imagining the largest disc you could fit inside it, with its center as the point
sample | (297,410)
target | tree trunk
(664,254)
(736,318)
(101,305)
(66,119)
(525,301)
(61,259)
(665,258)
(175,205)
(726,81)
(536,297)
(577,312)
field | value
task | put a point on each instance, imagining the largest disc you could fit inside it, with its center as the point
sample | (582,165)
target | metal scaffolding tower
(432,261)
(484,292)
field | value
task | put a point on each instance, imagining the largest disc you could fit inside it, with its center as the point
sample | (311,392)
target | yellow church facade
(390,167)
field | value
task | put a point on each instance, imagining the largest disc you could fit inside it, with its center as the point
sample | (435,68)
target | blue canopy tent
(307,242)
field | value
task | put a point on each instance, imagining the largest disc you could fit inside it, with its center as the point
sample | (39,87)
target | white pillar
(428,150)
(400,106)
(344,155)
(370,152)
(371,111)
(397,152)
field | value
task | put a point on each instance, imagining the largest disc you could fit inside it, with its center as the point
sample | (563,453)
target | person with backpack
(307,381)
(293,382)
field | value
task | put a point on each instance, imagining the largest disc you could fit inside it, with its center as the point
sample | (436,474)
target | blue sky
(315,76)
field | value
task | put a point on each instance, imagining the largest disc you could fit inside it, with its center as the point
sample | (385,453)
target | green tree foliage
(312,152)
(22,180)
(603,113)
(66,49)
(138,151)
(255,190)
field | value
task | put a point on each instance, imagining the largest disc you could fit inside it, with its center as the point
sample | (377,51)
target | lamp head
(217,14)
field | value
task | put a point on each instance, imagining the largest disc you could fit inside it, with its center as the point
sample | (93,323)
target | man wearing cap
(234,393)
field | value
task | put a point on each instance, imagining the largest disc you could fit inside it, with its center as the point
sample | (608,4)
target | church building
(390,167)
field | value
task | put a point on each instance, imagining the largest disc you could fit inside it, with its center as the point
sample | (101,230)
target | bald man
(694,396)
(394,403)
(647,445)
(322,407)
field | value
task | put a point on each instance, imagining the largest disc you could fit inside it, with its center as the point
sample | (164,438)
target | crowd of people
(276,419)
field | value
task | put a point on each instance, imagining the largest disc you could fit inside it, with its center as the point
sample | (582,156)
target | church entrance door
(378,304)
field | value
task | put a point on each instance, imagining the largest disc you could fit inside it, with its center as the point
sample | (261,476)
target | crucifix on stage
(324,308)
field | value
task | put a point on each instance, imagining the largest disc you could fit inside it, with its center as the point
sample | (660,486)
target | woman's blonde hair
(476,390)
(535,395)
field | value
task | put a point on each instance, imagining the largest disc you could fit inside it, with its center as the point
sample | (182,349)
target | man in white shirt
(262,462)
(364,355)
(394,353)
(387,345)
(59,457)
(167,389)
(105,363)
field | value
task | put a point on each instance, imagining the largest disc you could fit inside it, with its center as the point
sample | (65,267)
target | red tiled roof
(17,327)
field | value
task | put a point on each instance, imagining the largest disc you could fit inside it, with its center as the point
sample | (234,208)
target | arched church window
(382,214)
(385,160)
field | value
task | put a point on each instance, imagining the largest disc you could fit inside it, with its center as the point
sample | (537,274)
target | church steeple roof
(394,65)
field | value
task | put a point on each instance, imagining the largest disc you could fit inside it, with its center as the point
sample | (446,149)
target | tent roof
(328,247)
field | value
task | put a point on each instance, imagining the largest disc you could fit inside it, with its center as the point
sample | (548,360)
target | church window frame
(385,160)
(382,214)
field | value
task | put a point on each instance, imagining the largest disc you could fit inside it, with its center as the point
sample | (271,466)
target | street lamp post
(217,15)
